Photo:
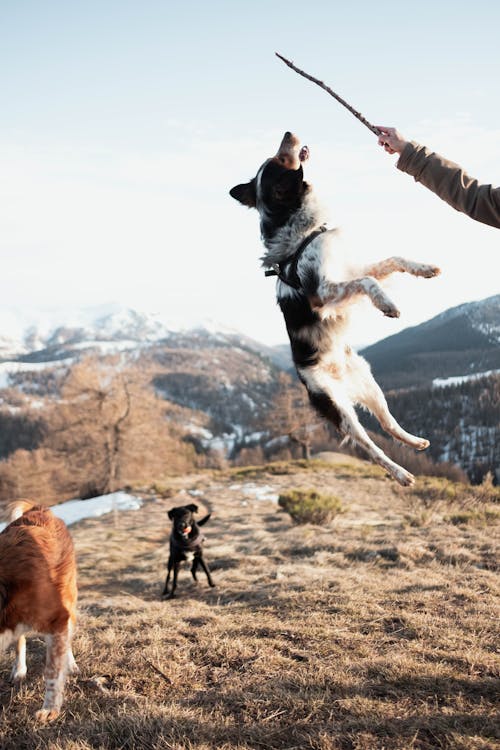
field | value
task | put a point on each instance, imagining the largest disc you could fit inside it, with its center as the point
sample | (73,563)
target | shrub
(432,490)
(482,517)
(310,506)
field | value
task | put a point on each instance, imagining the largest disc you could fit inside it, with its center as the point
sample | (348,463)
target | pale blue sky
(125,123)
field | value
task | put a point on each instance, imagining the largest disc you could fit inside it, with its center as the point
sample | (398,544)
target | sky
(124,125)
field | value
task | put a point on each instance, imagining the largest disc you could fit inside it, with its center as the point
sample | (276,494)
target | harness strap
(291,277)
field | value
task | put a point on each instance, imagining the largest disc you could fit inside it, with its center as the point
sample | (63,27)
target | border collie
(38,592)
(315,290)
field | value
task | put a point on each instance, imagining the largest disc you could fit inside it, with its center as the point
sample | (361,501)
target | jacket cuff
(407,155)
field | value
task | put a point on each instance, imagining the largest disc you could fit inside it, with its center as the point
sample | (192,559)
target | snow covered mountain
(56,332)
(108,329)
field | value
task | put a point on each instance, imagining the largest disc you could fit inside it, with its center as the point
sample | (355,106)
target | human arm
(445,178)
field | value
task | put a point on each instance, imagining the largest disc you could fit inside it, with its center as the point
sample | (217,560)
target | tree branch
(353,111)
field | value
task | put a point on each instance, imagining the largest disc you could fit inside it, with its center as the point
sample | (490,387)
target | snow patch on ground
(256,492)
(76,510)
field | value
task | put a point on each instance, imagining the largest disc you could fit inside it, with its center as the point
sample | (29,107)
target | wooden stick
(353,111)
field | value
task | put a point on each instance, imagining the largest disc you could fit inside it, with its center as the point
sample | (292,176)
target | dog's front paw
(17,674)
(385,305)
(428,272)
(390,310)
(47,714)
(73,667)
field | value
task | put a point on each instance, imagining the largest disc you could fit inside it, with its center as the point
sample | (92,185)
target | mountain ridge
(459,341)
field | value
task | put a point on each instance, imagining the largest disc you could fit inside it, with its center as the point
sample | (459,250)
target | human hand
(391,140)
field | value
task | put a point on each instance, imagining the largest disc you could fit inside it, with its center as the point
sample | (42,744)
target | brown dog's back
(37,572)
(38,592)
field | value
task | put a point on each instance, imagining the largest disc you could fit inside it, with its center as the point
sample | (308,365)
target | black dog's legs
(199,560)
(165,590)
(194,567)
(175,566)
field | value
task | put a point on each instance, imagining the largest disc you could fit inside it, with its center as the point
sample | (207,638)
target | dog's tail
(203,520)
(17,508)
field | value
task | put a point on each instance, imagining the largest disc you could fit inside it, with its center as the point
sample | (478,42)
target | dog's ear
(245,193)
(172,512)
(192,507)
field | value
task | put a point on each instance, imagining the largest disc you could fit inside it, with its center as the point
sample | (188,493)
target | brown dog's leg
(55,674)
(18,672)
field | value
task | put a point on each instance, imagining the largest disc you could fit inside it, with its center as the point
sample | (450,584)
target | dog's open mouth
(186,531)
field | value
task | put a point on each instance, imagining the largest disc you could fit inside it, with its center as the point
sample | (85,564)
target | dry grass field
(378,631)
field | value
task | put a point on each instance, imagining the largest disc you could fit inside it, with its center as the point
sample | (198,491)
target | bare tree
(292,416)
(114,427)
(107,429)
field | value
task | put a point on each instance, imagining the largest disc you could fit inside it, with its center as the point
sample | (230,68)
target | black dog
(185,538)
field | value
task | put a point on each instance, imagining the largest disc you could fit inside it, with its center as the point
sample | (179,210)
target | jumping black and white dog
(315,290)
(186,540)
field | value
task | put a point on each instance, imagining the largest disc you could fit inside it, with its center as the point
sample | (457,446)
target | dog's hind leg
(194,566)
(377,404)
(19,670)
(369,394)
(384,268)
(329,398)
(55,674)
(203,564)
(72,666)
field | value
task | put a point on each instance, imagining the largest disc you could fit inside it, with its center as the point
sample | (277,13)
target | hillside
(442,381)
(378,630)
(462,421)
(460,341)
(224,381)
(230,398)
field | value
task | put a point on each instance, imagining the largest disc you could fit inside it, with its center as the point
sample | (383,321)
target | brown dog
(38,592)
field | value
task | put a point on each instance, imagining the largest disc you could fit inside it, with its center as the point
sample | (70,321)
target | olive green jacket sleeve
(451,183)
